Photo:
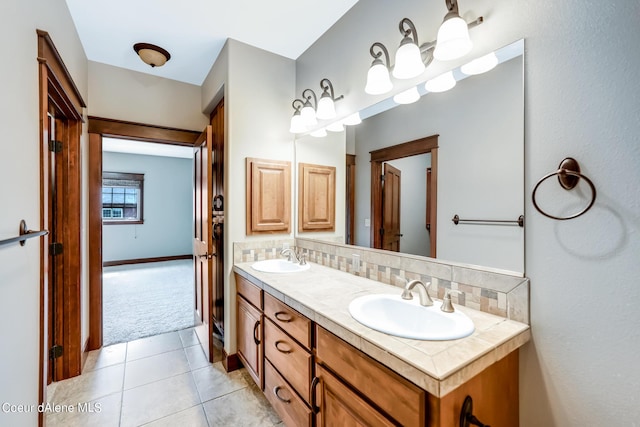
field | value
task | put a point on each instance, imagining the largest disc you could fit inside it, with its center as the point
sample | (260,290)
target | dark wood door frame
(99,127)
(59,94)
(407,149)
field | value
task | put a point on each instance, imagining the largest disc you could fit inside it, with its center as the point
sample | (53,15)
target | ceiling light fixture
(412,58)
(152,54)
(480,65)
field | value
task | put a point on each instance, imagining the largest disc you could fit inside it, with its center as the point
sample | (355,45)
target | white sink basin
(279,266)
(408,319)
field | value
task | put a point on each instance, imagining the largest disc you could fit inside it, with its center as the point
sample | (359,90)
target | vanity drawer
(402,400)
(291,359)
(293,411)
(292,322)
(249,291)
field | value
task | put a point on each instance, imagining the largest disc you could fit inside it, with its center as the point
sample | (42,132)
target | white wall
(581,99)
(168,209)
(118,93)
(20,188)
(257,113)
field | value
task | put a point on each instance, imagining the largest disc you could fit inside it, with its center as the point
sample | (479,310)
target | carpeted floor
(141,300)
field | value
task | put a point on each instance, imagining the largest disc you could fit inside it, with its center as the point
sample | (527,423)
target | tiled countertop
(323,295)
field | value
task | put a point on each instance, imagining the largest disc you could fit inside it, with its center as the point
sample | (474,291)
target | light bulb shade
(353,119)
(308,116)
(326,108)
(319,133)
(408,61)
(336,126)
(152,54)
(297,124)
(480,65)
(442,83)
(378,80)
(409,96)
(453,40)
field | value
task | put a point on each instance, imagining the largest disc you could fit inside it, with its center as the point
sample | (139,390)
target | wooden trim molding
(95,237)
(145,260)
(231,362)
(142,132)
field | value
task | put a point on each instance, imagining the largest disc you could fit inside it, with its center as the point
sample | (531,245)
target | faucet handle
(447,305)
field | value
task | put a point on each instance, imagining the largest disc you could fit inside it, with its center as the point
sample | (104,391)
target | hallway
(163,380)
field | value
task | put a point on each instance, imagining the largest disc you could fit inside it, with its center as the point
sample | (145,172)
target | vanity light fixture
(409,96)
(442,83)
(480,65)
(297,123)
(412,58)
(453,40)
(319,133)
(152,54)
(326,107)
(409,62)
(378,80)
(308,111)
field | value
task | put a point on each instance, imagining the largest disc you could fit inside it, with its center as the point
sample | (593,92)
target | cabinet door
(337,405)
(250,339)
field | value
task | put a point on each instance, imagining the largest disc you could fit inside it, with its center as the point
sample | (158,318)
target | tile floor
(163,380)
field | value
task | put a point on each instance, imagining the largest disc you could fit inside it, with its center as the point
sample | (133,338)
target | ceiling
(194,31)
(127,146)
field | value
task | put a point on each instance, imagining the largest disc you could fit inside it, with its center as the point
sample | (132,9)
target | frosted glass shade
(335,127)
(453,40)
(309,116)
(378,80)
(442,83)
(326,108)
(408,61)
(480,65)
(407,97)
(297,124)
(319,133)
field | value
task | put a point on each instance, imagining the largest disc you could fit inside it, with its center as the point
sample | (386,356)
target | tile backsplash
(487,290)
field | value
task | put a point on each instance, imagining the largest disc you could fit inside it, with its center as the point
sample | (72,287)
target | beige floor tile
(153,401)
(196,357)
(103,412)
(153,368)
(188,337)
(192,417)
(90,386)
(213,381)
(246,407)
(106,356)
(151,346)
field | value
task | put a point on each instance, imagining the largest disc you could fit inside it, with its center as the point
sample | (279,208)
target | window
(122,198)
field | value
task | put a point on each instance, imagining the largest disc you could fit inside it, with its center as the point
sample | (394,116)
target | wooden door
(339,406)
(203,249)
(391,209)
(249,339)
(350,202)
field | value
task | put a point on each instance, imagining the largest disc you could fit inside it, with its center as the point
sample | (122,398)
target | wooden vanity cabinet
(250,326)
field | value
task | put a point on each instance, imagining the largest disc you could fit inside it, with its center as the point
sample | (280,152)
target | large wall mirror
(459,152)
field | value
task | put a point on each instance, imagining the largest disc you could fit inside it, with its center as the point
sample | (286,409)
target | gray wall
(168,209)
(581,99)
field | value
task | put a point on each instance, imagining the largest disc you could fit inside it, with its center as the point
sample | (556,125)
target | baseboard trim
(231,362)
(144,260)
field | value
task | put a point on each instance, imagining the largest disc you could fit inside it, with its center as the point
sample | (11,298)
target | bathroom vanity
(316,364)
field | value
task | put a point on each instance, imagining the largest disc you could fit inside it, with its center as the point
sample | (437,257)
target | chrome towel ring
(568,176)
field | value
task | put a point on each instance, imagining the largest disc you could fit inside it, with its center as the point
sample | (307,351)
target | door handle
(314,386)
(207,255)
(255,333)
(280,349)
(276,389)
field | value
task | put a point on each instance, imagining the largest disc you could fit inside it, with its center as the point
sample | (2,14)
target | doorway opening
(147,277)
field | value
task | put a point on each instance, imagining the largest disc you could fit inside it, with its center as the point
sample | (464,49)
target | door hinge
(55,249)
(382,231)
(55,146)
(382,178)
(55,352)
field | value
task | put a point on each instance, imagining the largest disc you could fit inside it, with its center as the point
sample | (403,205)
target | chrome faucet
(425,299)
(293,256)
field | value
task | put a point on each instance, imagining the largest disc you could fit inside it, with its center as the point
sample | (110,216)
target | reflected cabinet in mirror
(417,166)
